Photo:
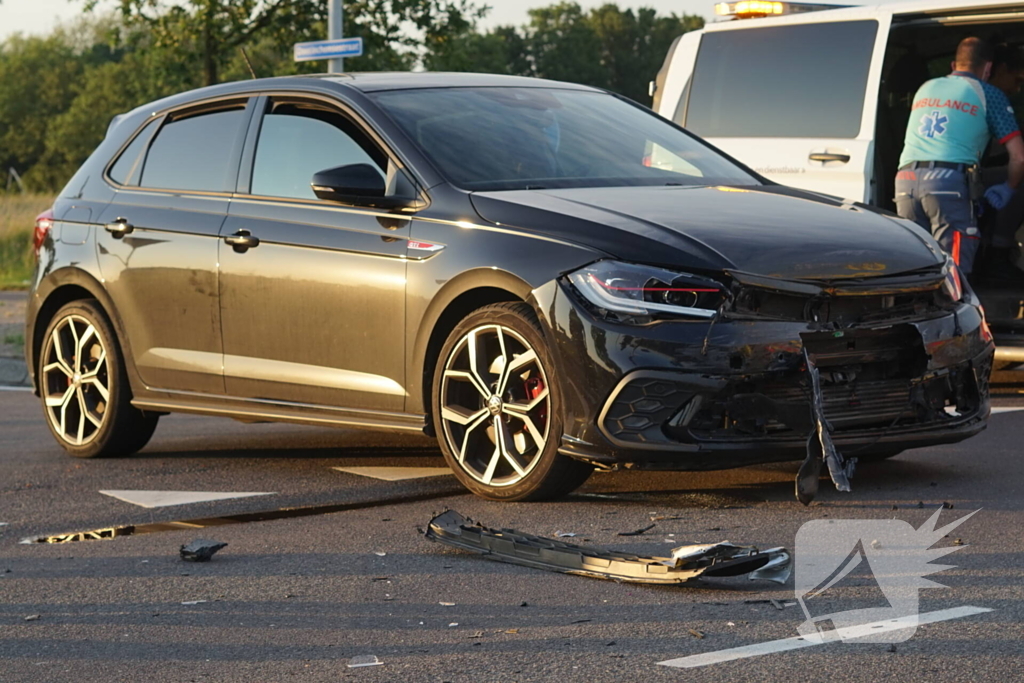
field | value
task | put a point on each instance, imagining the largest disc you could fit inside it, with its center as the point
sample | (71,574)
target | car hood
(772,231)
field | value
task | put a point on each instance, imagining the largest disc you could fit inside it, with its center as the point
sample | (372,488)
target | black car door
(158,253)
(315,312)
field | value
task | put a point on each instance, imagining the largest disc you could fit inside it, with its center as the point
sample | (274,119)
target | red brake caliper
(534,388)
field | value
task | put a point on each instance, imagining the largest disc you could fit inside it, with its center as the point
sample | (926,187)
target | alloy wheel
(495,405)
(75,380)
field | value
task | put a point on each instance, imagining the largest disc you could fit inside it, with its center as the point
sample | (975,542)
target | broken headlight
(952,285)
(629,290)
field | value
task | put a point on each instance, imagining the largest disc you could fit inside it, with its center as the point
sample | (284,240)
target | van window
(298,141)
(195,152)
(802,81)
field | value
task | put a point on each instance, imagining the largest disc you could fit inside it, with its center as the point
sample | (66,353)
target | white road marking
(848,632)
(159,499)
(1006,409)
(396,473)
(4,387)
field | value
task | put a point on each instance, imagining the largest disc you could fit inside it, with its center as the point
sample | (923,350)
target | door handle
(242,241)
(829,156)
(119,228)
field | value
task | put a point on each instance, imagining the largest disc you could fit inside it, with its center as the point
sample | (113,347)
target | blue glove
(999,195)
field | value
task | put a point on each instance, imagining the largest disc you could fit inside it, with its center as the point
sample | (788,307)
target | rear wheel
(497,410)
(84,386)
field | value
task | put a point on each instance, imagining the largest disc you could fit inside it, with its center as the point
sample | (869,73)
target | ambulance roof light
(750,9)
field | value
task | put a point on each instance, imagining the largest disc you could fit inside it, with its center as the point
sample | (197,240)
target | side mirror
(357,185)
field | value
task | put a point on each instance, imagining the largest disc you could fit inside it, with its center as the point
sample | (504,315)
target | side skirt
(260,410)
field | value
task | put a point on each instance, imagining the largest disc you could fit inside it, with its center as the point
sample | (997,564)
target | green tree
(214,30)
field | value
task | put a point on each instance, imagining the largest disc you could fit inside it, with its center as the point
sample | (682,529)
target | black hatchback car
(547,277)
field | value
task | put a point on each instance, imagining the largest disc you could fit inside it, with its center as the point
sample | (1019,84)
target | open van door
(795,98)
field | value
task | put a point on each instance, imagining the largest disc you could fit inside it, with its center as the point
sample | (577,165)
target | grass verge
(17,218)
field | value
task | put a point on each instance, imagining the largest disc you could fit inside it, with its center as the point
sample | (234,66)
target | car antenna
(245,56)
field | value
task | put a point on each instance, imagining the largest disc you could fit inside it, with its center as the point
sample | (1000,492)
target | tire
(84,386)
(496,414)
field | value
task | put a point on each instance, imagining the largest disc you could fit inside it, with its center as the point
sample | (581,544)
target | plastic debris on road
(685,564)
(364,660)
(200,550)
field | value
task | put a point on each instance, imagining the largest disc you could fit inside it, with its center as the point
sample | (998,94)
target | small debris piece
(637,532)
(664,518)
(512,631)
(920,505)
(380,554)
(609,644)
(522,604)
(478,634)
(453,624)
(32,617)
(193,602)
(892,647)
(958,542)
(729,623)
(364,660)
(696,634)
(756,602)
(564,534)
(447,604)
(947,506)
(381,578)
(876,544)
(776,604)
(4,523)
(580,621)
(200,550)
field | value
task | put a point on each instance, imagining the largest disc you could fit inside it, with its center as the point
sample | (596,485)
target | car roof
(899,10)
(367,82)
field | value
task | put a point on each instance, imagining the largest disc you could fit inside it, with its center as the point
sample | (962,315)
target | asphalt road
(295,599)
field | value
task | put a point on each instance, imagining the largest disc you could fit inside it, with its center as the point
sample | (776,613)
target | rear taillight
(44,223)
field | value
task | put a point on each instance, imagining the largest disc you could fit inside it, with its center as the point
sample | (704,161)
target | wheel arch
(63,287)
(457,299)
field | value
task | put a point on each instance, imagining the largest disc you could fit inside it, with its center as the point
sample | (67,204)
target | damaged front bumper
(686,563)
(700,395)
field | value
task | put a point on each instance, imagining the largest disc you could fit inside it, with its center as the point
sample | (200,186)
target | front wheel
(84,386)
(497,411)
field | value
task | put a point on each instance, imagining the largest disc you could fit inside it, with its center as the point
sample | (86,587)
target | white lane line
(159,499)
(1006,409)
(4,387)
(846,633)
(396,473)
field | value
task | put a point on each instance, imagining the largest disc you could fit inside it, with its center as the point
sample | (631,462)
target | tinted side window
(128,167)
(801,81)
(296,142)
(195,152)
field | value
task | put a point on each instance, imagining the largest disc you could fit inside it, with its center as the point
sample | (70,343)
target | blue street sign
(328,49)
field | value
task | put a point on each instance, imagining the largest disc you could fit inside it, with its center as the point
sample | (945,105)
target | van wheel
(84,386)
(497,412)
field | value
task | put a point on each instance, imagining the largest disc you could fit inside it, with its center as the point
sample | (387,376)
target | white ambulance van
(818,96)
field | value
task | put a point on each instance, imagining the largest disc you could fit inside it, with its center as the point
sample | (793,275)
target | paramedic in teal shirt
(951,121)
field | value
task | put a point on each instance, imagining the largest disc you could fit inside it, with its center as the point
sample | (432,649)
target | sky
(41,16)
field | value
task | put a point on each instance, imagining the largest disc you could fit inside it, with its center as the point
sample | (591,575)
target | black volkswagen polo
(547,277)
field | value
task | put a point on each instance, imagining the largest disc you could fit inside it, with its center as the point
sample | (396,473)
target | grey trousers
(938,200)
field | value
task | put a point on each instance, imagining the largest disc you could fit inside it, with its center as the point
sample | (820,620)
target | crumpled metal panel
(685,564)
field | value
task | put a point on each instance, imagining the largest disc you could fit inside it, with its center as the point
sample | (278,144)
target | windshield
(532,138)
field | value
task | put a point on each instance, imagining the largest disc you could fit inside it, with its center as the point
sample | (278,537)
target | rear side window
(128,167)
(196,152)
(299,140)
(803,81)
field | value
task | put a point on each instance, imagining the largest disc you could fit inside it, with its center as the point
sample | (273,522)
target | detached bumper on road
(693,396)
